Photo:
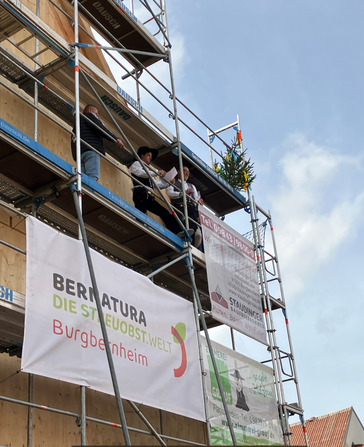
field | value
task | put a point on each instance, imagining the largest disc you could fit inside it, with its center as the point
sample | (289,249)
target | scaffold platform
(114,227)
(57,78)
(117,23)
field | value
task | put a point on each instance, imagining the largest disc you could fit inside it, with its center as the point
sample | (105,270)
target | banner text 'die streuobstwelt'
(152,333)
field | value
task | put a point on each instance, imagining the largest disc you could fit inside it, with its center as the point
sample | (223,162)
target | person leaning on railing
(94,136)
(193,199)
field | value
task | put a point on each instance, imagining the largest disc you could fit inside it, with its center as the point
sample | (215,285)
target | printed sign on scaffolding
(232,277)
(249,392)
(152,332)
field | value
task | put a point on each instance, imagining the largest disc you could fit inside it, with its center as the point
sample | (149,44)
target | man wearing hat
(143,199)
(240,397)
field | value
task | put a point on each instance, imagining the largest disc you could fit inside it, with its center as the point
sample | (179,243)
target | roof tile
(323,431)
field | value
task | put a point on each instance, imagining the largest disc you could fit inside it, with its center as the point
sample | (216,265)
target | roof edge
(327,415)
(347,426)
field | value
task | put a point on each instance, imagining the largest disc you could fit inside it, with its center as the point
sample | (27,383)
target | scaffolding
(56,80)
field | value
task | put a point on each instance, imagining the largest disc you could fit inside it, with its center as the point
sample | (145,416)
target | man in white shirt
(193,199)
(143,199)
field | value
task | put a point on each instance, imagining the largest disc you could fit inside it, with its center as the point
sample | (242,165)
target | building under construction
(51,67)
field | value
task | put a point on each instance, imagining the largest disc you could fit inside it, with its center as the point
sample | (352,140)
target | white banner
(152,333)
(232,278)
(250,395)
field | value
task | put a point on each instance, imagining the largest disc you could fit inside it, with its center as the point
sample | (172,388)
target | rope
(262,228)
(16,372)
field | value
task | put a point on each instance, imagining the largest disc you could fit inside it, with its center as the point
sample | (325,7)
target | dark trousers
(192,214)
(145,202)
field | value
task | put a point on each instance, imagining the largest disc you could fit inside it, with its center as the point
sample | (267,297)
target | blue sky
(294,72)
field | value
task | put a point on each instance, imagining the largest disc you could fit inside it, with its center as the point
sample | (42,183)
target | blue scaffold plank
(40,150)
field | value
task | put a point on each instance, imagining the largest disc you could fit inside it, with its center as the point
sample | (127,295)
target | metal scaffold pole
(197,302)
(30,410)
(275,352)
(268,318)
(198,306)
(212,134)
(101,317)
(83,415)
(288,330)
(176,122)
(77,107)
(79,183)
(180,161)
(195,307)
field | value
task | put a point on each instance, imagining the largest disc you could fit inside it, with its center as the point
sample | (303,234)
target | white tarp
(152,333)
(250,395)
(232,277)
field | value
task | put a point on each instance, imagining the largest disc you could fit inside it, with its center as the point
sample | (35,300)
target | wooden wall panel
(48,426)
(115,180)
(58,430)
(55,138)
(15,111)
(12,263)
(13,417)
(185,428)
(62,26)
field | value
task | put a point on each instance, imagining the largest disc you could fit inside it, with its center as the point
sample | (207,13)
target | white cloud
(310,224)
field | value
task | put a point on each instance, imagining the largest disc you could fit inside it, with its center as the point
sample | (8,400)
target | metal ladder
(283,361)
